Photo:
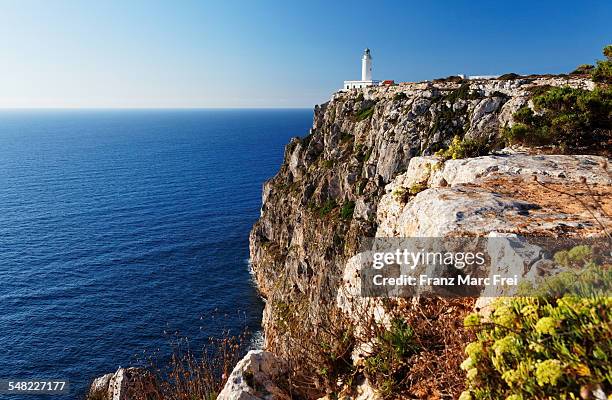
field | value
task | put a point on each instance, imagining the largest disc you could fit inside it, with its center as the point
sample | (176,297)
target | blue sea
(121,229)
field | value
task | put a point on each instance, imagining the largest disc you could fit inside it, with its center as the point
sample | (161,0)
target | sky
(274,53)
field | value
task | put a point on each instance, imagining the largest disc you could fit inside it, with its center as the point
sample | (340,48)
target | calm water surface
(119,229)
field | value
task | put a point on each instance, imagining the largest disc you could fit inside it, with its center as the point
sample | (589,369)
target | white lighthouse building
(366,74)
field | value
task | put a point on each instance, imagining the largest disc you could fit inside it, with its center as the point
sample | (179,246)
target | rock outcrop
(123,385)
(255,377)
(510,196)
(480,195)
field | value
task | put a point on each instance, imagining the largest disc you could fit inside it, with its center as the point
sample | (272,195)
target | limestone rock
(123,385)
(481,196)
(363,391)
(364,210)
(99,387)
(253,378)
(547,168)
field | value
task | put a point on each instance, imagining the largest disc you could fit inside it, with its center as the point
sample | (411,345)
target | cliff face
(327,193)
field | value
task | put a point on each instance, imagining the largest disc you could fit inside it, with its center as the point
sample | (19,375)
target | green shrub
(399,96)
(365,113)
(359,97)
(399,193)
(576,256)
(533,348)
(603,70)
(346,212)
(589,280)
(417,188)
(452,78)
(327,207)
(555,342)
(463,92)
(581,276)
(386,365)
(521,133)
(582,69)
(508,77)
(566,117)
(465,148)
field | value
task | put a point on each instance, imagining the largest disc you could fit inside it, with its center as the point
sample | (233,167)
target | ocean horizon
(123,229)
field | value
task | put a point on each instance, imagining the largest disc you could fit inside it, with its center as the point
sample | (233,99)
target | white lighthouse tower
(366,74)
(366,66)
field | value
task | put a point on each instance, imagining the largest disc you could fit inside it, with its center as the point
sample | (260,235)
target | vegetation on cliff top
(602,72)
(418,354)
(567,118)
(466,147)
(387,366)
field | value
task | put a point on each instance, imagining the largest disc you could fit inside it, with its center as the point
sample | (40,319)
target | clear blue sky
(276,53)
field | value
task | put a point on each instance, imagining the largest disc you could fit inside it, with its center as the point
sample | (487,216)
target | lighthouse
(366,66)
(366,74)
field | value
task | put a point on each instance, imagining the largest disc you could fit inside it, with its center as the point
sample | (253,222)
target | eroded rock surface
(124,384)
(515,193)
(255,377)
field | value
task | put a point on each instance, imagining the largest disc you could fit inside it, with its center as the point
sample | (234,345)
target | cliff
(367,169)
(412,160)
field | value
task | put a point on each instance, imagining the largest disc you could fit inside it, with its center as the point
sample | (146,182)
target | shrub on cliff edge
(386,367)
(567,118)
(544,346)
(603,70)
(535,348)
(465,148)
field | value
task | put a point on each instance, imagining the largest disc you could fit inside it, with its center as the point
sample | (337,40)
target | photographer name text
(425,280)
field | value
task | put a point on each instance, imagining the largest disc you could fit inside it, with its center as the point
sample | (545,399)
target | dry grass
(422,361)
(434,372)
(190,374)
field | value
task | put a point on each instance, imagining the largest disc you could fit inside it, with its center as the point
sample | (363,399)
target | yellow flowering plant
(538,348)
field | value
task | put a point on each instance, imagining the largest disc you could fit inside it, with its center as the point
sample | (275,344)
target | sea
(123,230)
